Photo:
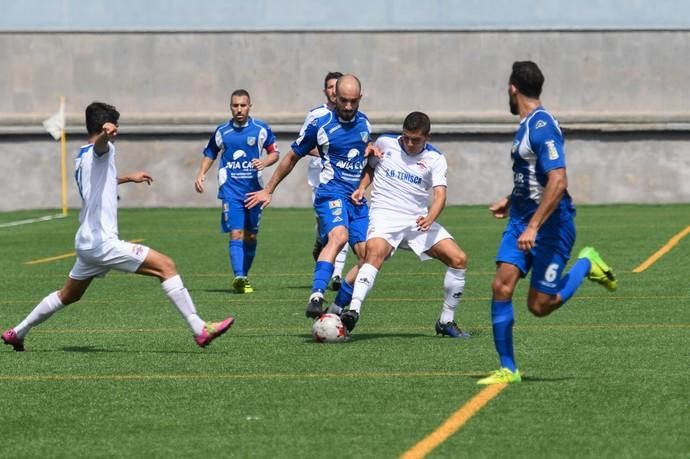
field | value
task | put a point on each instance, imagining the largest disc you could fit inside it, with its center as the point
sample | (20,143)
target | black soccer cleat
(450,329)
(314,307)
(336,282)
(349,318)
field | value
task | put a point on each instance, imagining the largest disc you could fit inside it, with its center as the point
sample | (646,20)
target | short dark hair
(240,93)
(527,78)
(99,113)
(417,121)
(331,76)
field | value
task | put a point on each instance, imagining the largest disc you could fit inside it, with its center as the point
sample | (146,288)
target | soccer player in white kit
(97,244)
(399,216)
(314,175)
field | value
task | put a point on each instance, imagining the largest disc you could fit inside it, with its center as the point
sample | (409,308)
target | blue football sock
(249,254)
(322,275)
(502,321)
(572,281)
(344,295)
(236,256)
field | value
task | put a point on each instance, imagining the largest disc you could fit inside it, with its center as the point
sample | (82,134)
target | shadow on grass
(370,336)
(94,349)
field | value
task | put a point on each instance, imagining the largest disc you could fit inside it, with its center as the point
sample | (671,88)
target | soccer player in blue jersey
(314,175)
(240,143)
(342,138)
(541,230)
(97,243)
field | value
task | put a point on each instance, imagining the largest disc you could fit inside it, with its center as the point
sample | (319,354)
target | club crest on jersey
(335,203)
(365,136)
(551,147)
(251,141)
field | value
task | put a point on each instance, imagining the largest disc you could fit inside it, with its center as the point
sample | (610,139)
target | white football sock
(454,285)
(179,296)
(363,283)
(340,261)
(46,308)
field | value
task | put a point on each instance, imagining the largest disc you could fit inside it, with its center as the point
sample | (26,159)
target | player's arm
(214,146)
(100,141)
(553,193)
(367,177)
(201,175)
(547,143)
(500,208)
(437,206)
(135,177)
(265,196)
(272,155)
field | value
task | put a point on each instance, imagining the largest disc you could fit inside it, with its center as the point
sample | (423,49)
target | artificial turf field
(118,374)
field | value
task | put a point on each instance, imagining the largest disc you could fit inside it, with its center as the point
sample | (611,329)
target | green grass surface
(118,374)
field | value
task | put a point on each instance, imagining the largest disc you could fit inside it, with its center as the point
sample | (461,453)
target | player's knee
(539,309)
(458,261)
(250,238)
(167,267)
(501,289)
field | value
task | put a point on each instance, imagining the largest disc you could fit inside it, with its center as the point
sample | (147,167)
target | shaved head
(348,92)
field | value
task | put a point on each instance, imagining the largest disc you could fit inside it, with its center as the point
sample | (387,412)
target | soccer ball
(329,329)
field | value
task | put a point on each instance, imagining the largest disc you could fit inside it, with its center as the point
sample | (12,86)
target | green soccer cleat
(241,285)
(502,376)
(600,272)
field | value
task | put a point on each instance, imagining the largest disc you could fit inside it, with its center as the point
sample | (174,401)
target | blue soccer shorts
(546,260)
(234,216)
(340,211)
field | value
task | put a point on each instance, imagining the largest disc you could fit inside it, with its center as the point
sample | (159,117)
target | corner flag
(55,125)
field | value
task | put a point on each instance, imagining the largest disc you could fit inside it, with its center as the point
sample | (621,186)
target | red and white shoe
(10,338)
(210,332)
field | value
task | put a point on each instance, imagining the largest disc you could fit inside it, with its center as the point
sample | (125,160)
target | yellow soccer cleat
(600,272)
(241,285)
(502,376)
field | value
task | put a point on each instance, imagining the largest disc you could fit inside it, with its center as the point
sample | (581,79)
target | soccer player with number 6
(541,229)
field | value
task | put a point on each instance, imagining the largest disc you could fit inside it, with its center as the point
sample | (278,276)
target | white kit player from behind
(97,244)
(399,217)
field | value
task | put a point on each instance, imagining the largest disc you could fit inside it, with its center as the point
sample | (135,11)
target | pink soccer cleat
(211,331)
(10,338)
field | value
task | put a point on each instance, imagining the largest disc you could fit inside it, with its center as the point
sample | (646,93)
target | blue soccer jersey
(238,146)
(341,145)
(537,149)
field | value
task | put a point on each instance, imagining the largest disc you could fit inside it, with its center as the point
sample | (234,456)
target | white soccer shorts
(402,232)
(112,254)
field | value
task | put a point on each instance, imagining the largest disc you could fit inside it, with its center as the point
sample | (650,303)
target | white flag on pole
(56,123)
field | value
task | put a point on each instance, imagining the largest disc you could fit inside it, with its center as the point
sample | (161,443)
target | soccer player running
(541,231)
(314,175)
(400,216)
(97,245)
(341,137)
(240,142)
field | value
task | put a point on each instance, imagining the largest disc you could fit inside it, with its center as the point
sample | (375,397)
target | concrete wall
(608,168)
(622,95)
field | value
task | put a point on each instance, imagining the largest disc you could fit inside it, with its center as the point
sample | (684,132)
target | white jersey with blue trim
(341,145)
(96,177)
(538,148)
(401,181)
(314,165)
